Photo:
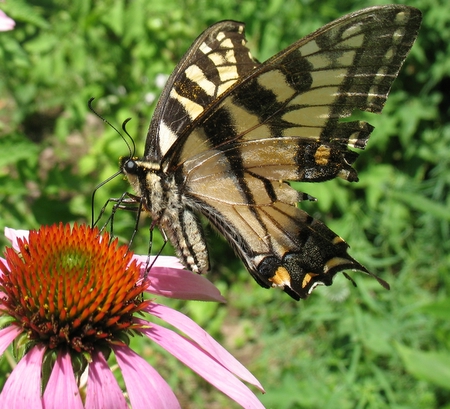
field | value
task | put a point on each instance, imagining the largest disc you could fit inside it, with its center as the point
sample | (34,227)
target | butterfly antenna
(124,128)
(131,149)
(105,120)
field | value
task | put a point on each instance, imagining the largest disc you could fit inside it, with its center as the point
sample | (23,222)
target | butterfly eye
(130,166)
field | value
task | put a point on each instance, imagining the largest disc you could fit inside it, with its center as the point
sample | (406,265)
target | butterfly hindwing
(228,156)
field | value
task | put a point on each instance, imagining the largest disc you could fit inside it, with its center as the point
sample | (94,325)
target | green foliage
(431,366)
(343,347)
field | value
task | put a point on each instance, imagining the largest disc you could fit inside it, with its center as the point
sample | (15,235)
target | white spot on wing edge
(351,31)
(227,43)
(205,48)
(166,137)
(402,17)
(309,48)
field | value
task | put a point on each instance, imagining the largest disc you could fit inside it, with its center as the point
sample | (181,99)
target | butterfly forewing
(216,60)
(227,156)
(303,91)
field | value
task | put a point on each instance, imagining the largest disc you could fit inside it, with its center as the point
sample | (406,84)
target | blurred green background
(344,347)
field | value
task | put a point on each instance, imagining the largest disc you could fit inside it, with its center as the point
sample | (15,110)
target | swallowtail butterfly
(229,132)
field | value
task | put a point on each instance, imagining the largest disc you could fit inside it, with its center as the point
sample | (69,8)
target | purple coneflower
(70,298)
(6,23)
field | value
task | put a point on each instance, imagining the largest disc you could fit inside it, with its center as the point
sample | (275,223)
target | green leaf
(433,367)
(423,204)
(439,309)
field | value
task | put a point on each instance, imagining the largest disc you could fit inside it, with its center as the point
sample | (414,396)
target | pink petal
(22,389)
(12,235)
(62,390)
(6,23)
(7,335)
(204,365)
(146,388)
(160,261)
(102,388)
(182,284)
(204,340)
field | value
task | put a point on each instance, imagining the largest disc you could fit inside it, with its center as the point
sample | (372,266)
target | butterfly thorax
(170,209)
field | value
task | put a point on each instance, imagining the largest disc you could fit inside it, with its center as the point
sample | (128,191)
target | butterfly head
(132,170)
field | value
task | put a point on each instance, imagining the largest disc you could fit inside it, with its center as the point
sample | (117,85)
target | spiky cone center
(71,287)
